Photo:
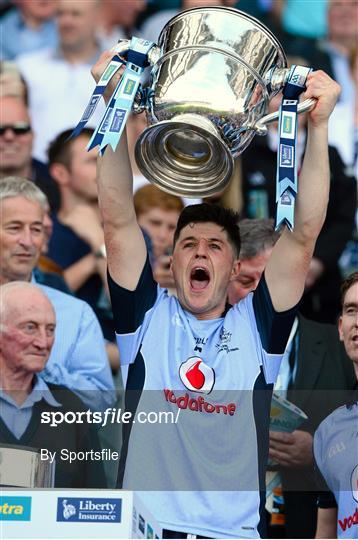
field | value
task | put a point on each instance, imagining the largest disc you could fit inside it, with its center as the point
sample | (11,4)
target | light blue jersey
(205,473)
(336,455)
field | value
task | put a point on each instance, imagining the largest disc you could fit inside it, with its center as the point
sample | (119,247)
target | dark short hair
(59,150)
(256,236)
(211,213)
(347,284)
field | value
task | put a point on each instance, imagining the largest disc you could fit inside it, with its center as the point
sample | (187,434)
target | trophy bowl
(212,76)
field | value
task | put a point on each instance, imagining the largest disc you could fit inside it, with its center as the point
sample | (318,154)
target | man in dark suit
(315,375)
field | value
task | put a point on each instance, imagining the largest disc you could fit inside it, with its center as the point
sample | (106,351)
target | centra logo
(85,509)
(15,508)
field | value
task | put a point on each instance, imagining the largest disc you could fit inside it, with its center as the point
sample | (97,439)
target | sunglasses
(20,128)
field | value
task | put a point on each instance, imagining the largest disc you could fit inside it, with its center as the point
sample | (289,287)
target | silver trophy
(212,76)
(21,466)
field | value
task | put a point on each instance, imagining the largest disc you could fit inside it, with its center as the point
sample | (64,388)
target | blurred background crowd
(47,48)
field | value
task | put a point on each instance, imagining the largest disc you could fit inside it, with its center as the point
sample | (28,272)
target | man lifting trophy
(211,77)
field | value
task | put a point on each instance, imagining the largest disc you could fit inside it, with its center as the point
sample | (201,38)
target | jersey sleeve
(131,311)
(274,329)
(326,498)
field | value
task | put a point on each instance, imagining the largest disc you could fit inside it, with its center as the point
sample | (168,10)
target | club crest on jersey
(196,375)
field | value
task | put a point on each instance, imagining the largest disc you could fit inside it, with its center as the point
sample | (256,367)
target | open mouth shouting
(199,278)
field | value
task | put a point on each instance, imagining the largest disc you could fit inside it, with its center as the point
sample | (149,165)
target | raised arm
(126,250)
(288,265)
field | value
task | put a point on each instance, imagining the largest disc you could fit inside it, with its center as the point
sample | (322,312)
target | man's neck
(32,22)
(16,384)
(8,279)
(69,202)
(216,313)
(83,54)
(24,171)
(343,46)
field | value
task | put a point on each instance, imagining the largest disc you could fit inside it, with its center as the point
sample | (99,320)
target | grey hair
(6,292)
(15,186)
(256,235)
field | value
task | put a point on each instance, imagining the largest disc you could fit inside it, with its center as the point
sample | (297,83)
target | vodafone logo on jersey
(196,375)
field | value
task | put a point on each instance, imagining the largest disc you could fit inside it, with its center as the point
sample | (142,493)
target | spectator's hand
(315,271)
(320,86)
(162,272)
(84,221)
(291,449)
(99,68)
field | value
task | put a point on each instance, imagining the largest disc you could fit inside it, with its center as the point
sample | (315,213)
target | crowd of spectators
(51,233)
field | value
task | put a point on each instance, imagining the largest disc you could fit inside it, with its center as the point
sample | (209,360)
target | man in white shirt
(59,80)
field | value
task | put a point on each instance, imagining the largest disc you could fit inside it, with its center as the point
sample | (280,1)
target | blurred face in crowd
(342,20)
(249,276)
(28,332)
(16,137)
(160,224)
(21,238)
(77,21)
(348,324)
(39,10)
(203,264)
(125,12)
(83,170)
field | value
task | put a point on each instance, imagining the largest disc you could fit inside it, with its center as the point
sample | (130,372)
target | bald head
(27,329)
(19,296)
(77,22)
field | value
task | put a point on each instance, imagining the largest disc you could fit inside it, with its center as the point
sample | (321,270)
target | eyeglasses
(20,128)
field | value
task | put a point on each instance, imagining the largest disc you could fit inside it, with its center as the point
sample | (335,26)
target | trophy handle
(261,126)
(139,104)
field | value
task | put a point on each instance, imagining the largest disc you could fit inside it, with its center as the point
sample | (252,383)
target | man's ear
(340,328)
(60,174)
(171,263)
(235,270)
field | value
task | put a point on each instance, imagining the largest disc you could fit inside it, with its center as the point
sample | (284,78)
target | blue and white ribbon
(97,93)
(286,177)
(113,122)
